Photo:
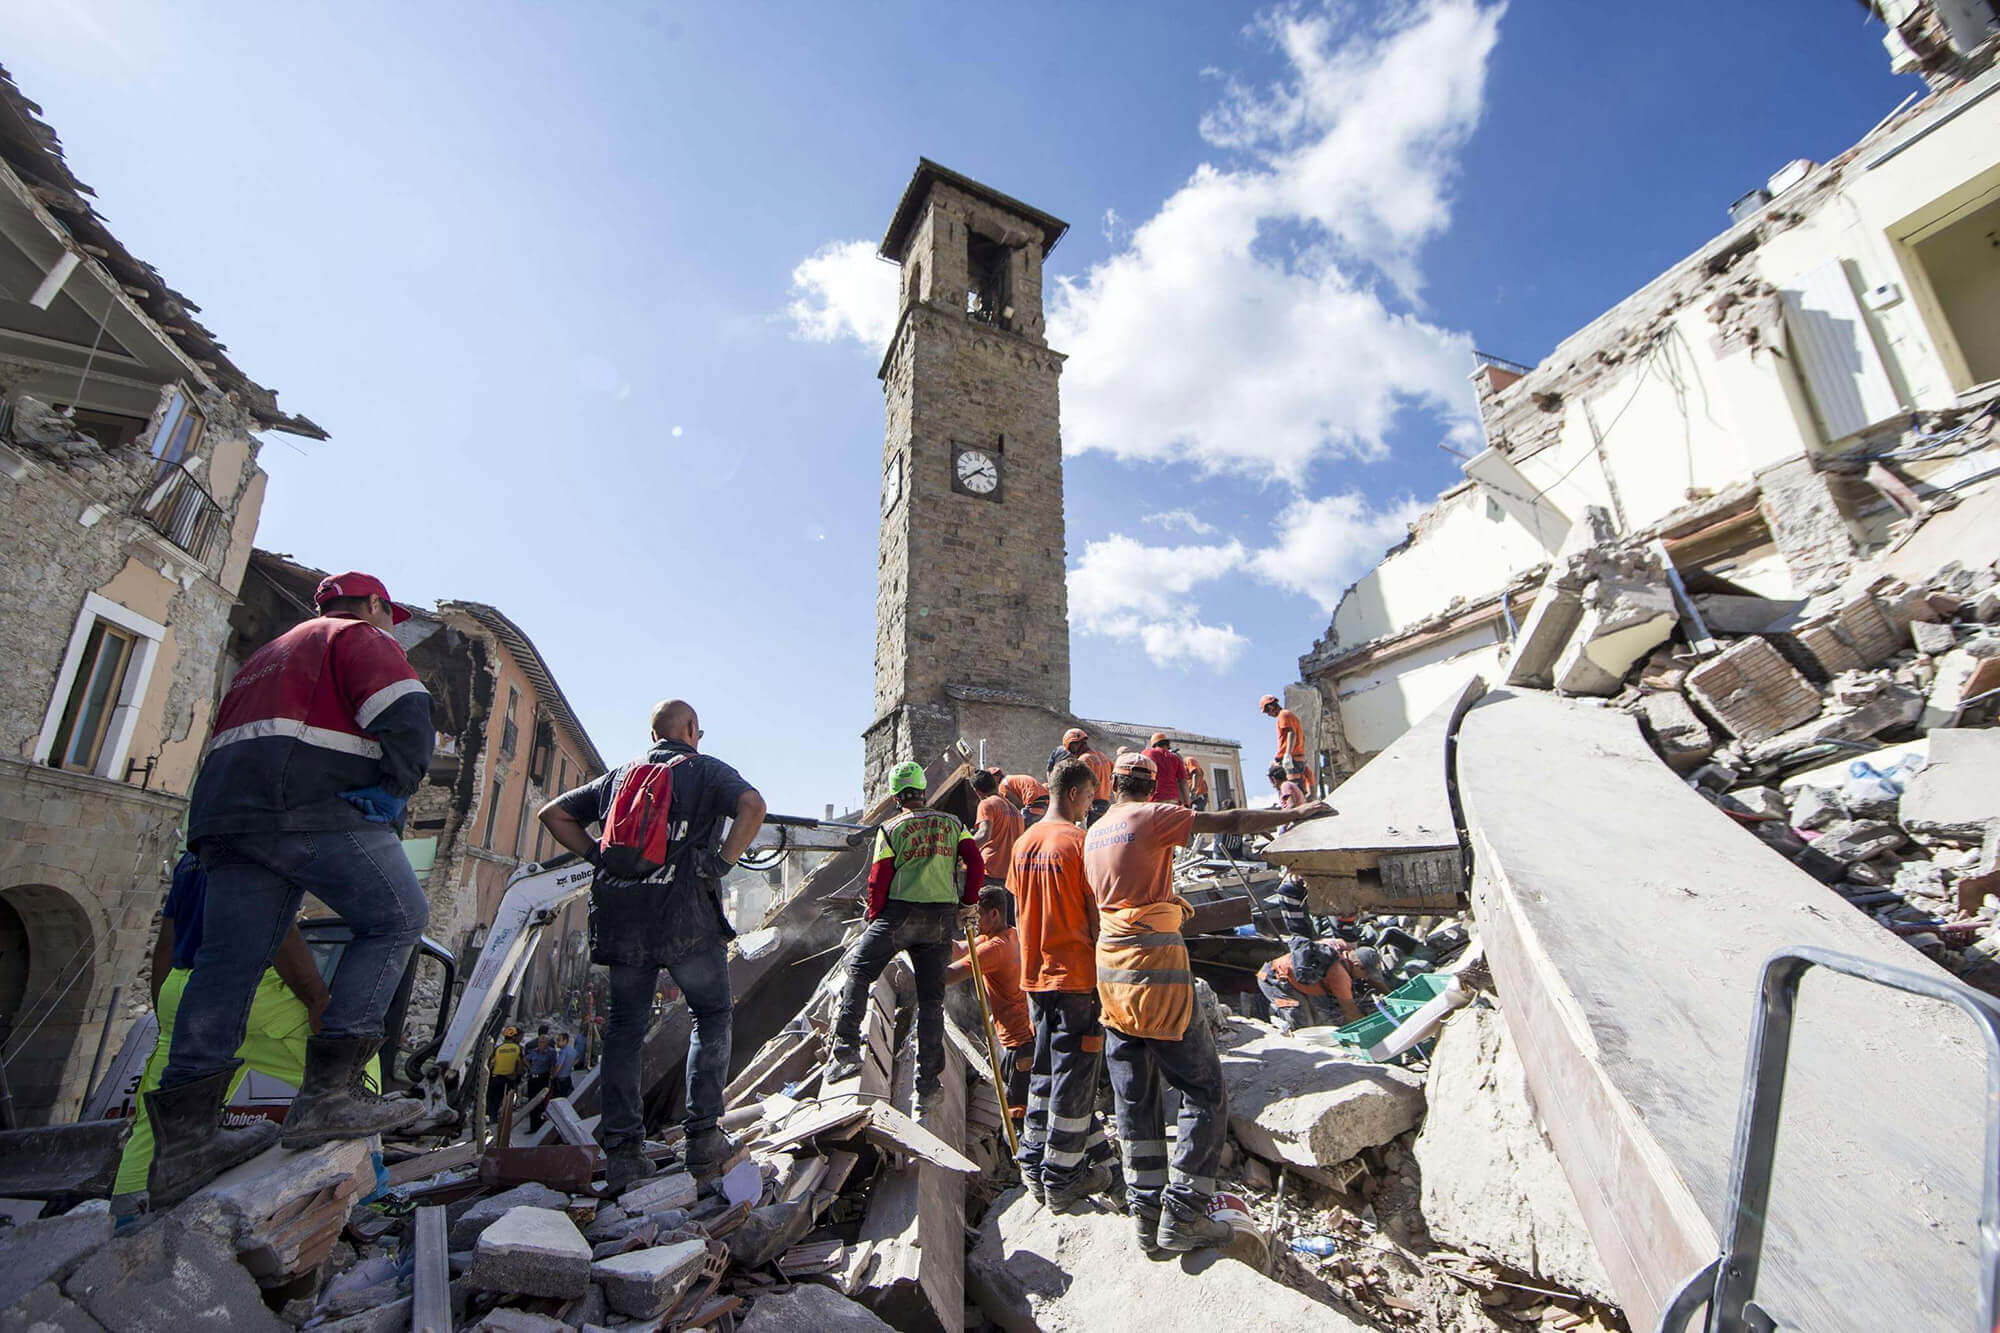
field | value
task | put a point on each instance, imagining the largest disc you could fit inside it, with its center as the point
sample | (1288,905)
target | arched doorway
(47,969)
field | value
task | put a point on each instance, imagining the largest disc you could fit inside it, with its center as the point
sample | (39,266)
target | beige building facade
(129,497)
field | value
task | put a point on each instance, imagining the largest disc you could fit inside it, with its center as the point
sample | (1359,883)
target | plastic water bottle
(1321,1246)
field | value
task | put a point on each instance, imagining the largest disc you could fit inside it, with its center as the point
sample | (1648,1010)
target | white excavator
(536,895)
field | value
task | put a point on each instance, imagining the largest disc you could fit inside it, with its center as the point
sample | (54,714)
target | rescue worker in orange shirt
(1076,745)
(1029,795)
(998,825)
(1154,1037)
(1306,983)
(1291,742)
(999,946)
(1197,784)
(1064,1156)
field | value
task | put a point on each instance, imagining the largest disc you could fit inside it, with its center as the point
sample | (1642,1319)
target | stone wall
(971,590)
(83,870)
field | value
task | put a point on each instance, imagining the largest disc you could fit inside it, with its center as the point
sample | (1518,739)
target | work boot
(191,1146)
(624,1167)
(1073,1196)
(334,1102)
(1032,1182)
(1146,1221)
(846,1063)
(927,1098)
(1182,1229)
(708,1154)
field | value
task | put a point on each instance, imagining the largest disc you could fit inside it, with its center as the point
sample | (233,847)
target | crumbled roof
(537,671)
(1144,732)
(32,150)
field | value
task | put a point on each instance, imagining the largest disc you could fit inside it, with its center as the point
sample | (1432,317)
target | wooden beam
(430,1306)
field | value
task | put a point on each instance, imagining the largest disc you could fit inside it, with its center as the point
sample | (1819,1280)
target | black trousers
(926,931)
(1061,1136)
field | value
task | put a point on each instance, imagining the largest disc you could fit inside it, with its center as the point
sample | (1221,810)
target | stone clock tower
(971,608)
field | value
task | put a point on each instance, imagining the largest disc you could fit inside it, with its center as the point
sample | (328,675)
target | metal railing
(179,508)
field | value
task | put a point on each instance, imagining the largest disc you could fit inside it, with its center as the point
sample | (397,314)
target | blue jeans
(255,885)
(1139,1067)
(703,976)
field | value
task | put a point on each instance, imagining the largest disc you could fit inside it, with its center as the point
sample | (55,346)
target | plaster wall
(1466,547)
(1378,705)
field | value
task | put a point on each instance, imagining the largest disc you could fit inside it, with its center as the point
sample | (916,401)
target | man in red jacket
(322,737)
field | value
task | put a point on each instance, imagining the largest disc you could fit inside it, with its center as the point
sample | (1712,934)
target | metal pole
(103,1039)
(992,1044)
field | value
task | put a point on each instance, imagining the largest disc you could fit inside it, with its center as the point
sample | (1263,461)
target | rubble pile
(1851,731)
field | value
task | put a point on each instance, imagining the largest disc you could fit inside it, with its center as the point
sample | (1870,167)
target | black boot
(190,1145)
(1146,1221)
(334,1102)
(1073,1196)
(625,1167)
(844,1064)
(708,1154)
(1182,1229)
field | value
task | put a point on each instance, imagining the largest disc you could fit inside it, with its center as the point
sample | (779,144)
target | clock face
(978,471)
(892,483)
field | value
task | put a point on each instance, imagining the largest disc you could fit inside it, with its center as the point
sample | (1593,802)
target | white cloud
(1244,328)
(1324,545)
(843,290)
(1124,589)
(1181,518)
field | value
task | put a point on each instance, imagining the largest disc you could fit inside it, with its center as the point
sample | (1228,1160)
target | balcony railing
(180,509)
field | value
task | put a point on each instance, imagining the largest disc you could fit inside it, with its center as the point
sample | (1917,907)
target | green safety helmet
(907,777)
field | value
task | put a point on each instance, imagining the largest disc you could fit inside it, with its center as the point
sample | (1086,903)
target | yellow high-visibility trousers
(274,1043)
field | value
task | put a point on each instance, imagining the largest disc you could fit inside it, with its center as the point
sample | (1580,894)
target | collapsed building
(1767,409)
(130,491)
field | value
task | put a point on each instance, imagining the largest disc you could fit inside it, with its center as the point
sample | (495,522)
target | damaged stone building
(508,741)
(130,490)
(1768,408)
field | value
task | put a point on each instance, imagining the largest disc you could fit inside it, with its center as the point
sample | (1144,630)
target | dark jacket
(326,707)
(677,912)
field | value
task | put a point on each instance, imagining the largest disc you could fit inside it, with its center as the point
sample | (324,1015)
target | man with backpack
(914,903)
(656,902)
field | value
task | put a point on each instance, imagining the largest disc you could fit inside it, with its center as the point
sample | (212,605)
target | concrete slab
(810,1309)
(532,1252)
(46,1310)
(1491,1183)
(646,1283)
(1396,802)
(482,1214)
(1084,1273)
(1626,921)
(673,1190)
(1559,605)
(45,1250)
(1293,1101)
(1958,790)
(167,1278)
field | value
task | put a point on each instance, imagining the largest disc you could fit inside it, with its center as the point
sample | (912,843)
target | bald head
(674,720)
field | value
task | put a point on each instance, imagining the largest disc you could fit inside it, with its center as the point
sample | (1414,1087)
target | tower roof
(929,173)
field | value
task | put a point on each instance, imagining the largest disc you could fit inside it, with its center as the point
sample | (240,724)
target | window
(521,826)
(492,813)
(180,431)
(110,429)
(95,705)
(510,731)
(562,766)
(988,295)
(92,698)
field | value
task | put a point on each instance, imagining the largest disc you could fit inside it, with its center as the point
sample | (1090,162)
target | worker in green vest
(916,901)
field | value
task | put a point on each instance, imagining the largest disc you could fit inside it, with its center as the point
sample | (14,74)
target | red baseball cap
(356,584)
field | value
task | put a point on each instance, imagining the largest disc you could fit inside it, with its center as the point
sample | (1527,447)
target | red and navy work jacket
(326,707)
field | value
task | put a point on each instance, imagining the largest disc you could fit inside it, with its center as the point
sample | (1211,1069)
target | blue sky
(575,289)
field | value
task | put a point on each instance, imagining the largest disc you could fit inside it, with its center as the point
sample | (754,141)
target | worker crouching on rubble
(1312,982)
(914,903)
(646,915)
(318,743)
(1029,795)
(1153,1035)
(999,946)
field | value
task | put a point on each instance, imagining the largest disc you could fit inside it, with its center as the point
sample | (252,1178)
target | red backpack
(637,831)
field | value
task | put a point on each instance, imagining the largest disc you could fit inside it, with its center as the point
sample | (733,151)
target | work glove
(376,805)
(968,920)
(708,863)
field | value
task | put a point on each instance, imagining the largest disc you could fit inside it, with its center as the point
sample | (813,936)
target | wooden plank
(430,1308)
(914,1229)
(430,1163)
(1626,921)
(568,1124)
